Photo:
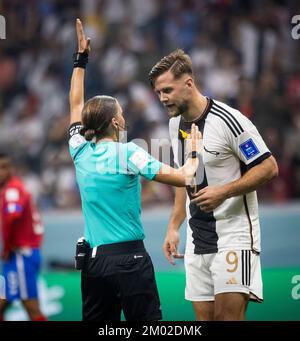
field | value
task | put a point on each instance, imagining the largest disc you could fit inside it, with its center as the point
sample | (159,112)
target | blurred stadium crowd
(242,51)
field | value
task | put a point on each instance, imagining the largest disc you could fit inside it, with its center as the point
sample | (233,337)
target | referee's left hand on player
(209,198)
(193,140)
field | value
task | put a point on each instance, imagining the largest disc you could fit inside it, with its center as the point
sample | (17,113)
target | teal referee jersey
(108,176)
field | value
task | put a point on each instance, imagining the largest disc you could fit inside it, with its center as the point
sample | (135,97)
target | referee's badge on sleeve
(76,141)
(249,149)
(139,159)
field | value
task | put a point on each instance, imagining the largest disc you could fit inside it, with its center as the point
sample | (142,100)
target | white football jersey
(231,146)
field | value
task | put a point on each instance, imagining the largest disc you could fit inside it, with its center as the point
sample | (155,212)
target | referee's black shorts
(119,277)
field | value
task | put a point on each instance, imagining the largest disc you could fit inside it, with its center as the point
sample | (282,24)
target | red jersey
(21,224)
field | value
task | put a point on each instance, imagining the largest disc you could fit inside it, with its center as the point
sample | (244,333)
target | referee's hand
(170,246)
(82,41)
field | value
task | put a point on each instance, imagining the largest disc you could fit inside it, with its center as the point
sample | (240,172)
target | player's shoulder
(174,124)
(224,109)
(14,189)
(174,121)
(227,117)
(15,182)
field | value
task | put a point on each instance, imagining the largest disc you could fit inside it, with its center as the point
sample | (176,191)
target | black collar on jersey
(200,121)
(204,114)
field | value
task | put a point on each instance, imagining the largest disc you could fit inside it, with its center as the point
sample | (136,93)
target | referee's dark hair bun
(89,134)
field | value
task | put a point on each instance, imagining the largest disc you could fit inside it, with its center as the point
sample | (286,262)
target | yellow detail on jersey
(184,134)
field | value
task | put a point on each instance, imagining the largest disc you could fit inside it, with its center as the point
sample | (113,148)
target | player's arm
(211,197)
(12,210)
(253,178)
(171,242)
(253,153)
(183,176)
(76,96)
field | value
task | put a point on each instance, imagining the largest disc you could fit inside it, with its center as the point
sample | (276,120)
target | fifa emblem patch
(139,159)
(249,149)
(76,141)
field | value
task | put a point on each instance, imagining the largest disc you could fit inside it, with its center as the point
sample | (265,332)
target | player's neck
(197,108)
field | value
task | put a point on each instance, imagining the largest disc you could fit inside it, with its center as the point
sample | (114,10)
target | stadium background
(243,54)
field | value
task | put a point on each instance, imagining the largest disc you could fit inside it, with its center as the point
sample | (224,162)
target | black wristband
(80,59)
(193,155)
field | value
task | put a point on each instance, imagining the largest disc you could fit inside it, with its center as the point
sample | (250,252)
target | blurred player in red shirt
(22,232)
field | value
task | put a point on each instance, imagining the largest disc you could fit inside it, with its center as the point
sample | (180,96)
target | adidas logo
(232,281)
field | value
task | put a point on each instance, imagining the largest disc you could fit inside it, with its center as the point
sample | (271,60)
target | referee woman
(117,273)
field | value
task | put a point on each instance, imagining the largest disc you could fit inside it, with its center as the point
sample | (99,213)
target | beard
(179,109)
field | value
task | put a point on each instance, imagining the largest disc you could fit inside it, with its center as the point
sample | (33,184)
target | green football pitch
(281,296)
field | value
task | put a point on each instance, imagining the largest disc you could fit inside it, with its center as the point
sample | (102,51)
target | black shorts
(119,277)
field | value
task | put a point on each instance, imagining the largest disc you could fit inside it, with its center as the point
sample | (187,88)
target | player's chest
(214,150)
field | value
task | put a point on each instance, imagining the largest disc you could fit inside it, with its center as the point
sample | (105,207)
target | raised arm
(76,96)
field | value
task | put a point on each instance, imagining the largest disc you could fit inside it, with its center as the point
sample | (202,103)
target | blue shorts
(20,275)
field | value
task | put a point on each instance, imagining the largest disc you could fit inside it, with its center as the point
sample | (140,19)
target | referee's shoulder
(128,146)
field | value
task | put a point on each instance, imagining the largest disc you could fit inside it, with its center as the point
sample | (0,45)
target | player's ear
(189,82)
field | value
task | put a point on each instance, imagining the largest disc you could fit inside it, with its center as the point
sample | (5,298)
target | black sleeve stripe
(227,123)
(226,111)
(258,160)
(232,119)
(228,119)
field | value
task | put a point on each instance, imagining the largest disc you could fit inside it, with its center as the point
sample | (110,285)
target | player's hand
(209,198)
(170,246)
(83,42)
